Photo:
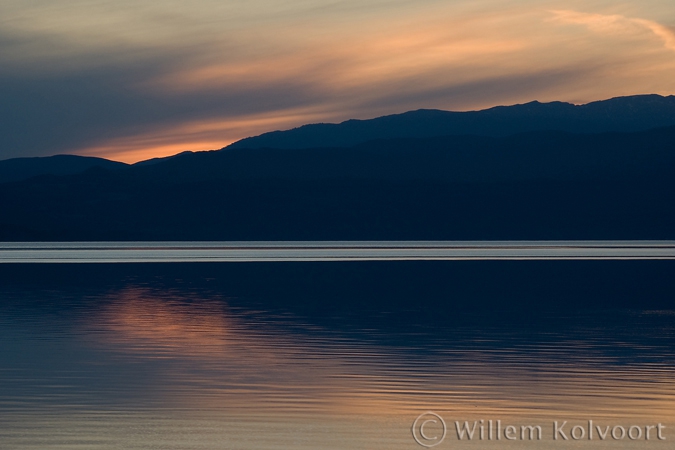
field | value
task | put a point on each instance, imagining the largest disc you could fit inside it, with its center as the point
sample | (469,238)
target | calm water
(333,355)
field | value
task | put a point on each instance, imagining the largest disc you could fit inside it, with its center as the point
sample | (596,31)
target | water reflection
(171,364)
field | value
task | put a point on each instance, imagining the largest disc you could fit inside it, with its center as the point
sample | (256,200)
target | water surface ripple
(171,360)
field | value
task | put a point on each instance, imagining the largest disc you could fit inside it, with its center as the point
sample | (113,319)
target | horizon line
(324,251)
(94,155)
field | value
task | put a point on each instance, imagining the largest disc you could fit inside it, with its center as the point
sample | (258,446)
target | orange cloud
(412,47)
(663,32)
(618,25)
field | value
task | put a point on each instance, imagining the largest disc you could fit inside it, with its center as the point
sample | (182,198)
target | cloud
(619,25)
(663,32)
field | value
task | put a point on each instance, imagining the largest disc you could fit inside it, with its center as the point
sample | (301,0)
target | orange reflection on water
(223,359)
(164,326)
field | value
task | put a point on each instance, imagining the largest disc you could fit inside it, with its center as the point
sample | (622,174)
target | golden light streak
(198,135)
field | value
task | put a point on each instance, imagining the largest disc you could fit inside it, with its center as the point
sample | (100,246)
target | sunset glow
(134,80)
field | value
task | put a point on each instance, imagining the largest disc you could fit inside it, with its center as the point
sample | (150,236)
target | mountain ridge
(632,113)
(539,186)
(17,169)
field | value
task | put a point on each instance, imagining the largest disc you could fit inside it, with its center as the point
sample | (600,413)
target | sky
(134,79)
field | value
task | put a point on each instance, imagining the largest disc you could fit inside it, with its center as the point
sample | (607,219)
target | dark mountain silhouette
(18,169)
(548,155)
(634,113)
(536,185)
(151,161)
(23,168)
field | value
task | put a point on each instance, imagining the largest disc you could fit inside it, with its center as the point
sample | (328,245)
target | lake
(328,353)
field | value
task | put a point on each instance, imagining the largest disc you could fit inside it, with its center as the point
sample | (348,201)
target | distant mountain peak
(632,113)
(17,169)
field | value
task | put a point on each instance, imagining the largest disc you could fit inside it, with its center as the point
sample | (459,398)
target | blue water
(331,354)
